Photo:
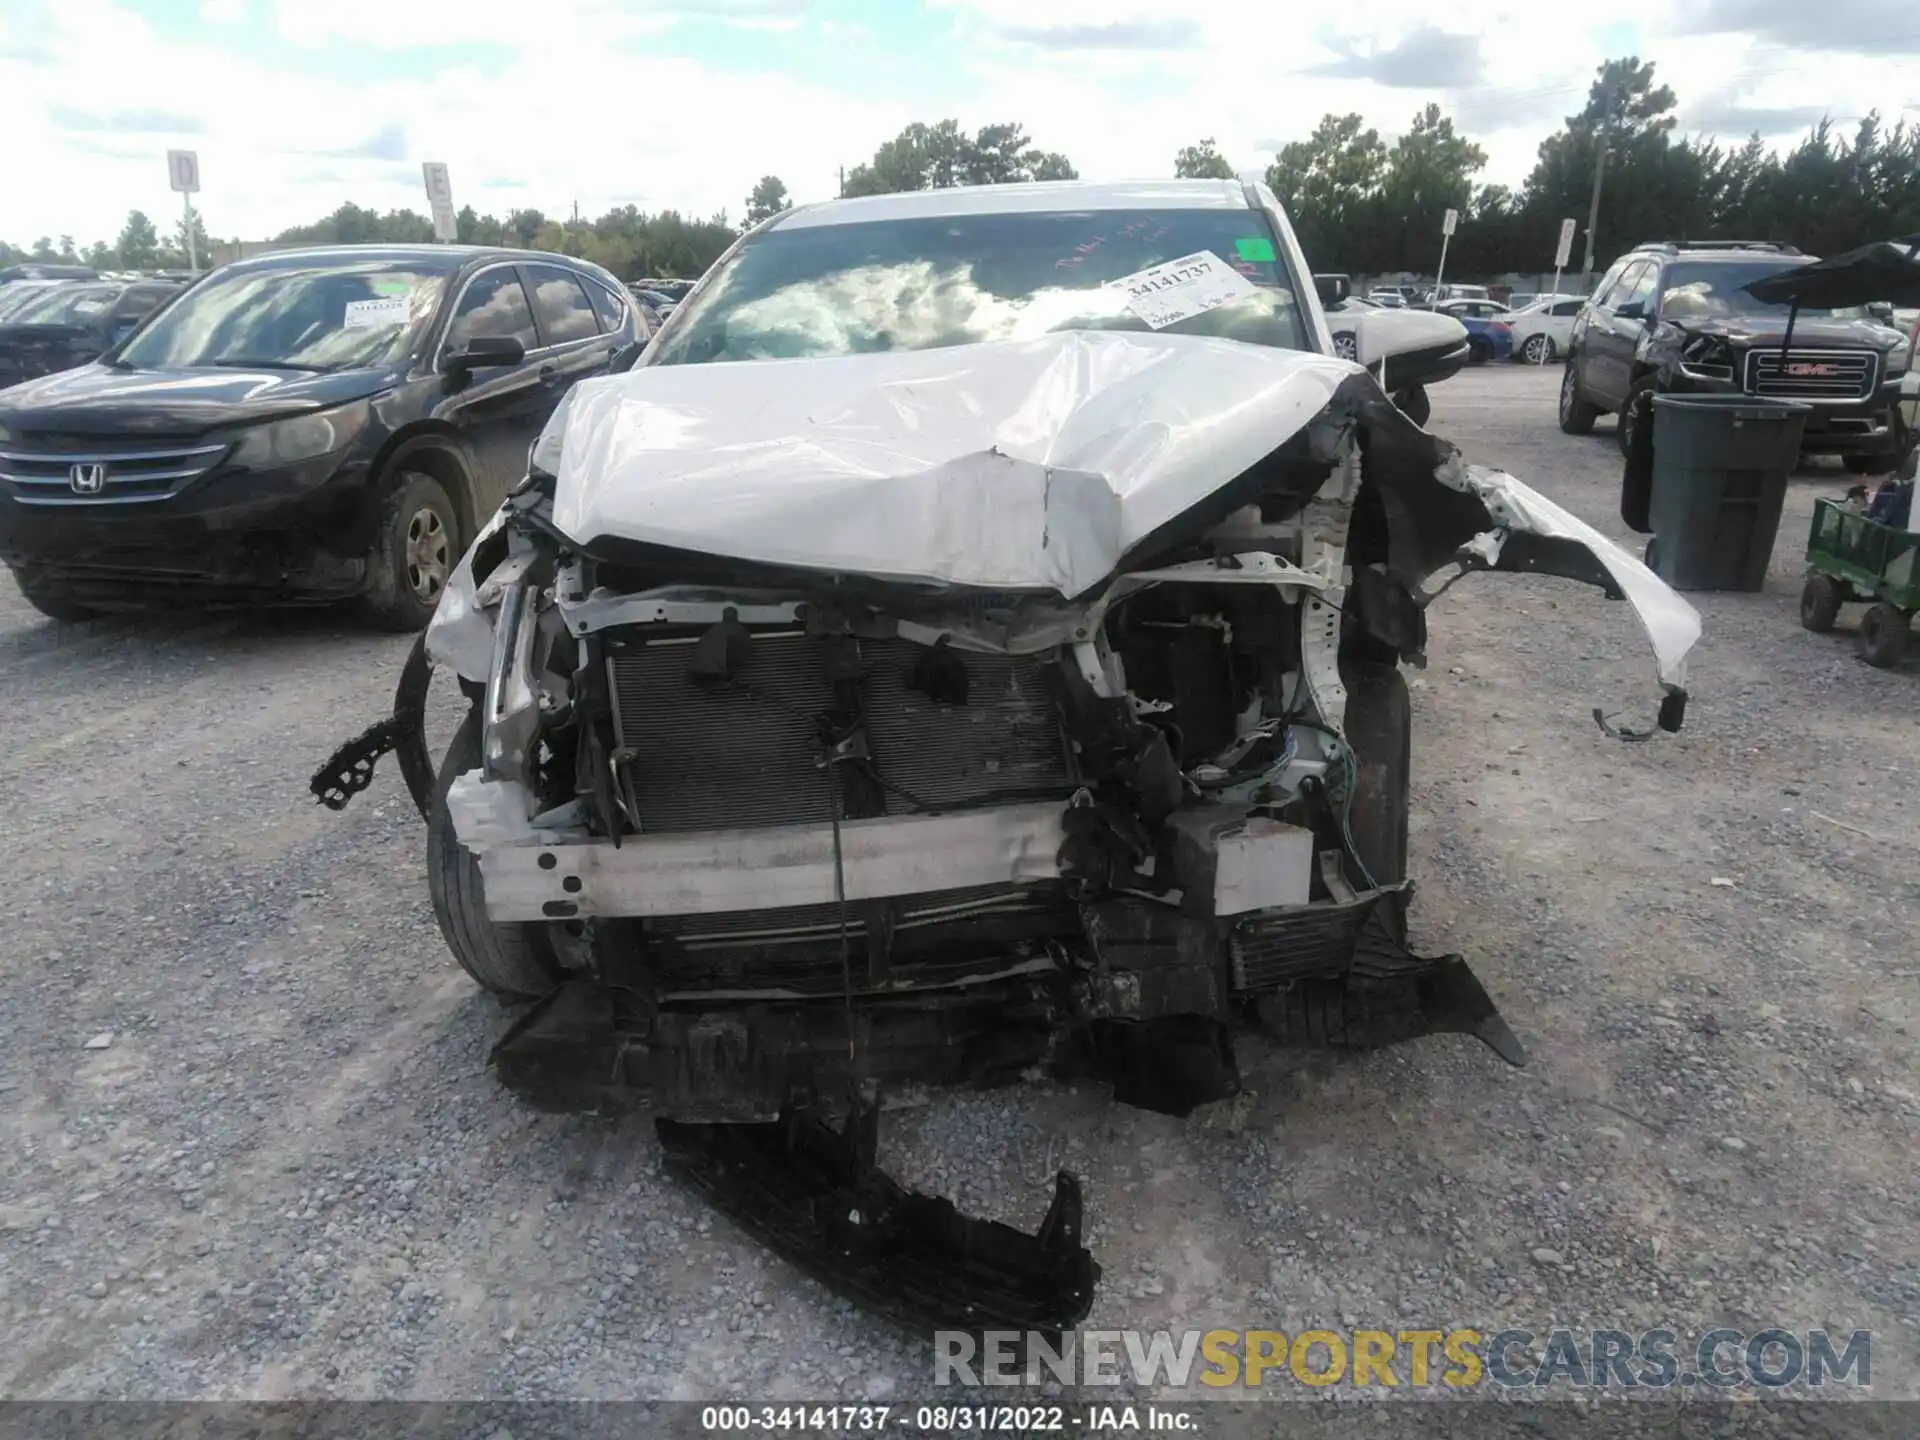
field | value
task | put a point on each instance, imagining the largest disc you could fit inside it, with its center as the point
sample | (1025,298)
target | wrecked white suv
(966,645)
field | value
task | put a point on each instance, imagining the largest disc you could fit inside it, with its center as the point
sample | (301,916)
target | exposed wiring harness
(1350,784)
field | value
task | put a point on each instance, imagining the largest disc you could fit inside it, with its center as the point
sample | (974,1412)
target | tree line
(1358,203)
(1365,207)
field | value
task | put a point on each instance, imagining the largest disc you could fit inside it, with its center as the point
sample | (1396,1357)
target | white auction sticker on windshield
(1180,289)
(387,310)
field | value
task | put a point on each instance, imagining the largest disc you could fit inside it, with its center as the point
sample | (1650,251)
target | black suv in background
(1675,318)
(309,426)
(59,324)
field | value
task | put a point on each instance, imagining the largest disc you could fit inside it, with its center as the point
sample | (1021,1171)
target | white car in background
(1542,330)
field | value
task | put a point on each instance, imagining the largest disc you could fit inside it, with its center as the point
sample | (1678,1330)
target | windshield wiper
(274,365)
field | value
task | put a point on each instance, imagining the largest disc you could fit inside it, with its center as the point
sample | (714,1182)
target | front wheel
(1538,350)
(1869,464)
(1638,411)
(514,960)
(1346,347)
(1883,636)
(1576,413)
(1478,351)
(1820,601)
(415,547)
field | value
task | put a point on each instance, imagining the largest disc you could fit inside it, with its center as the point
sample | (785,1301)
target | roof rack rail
(1774,246)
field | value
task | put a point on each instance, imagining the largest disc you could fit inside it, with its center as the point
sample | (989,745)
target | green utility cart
(1850,557)
(1853,558)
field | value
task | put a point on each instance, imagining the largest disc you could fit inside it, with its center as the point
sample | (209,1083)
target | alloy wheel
(429,554)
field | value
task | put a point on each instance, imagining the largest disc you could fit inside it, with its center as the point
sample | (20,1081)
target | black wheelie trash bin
(1720,466)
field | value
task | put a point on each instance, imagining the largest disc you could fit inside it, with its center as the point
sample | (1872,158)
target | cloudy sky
(297,105)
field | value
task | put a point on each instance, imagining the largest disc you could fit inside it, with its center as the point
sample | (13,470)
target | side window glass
(494,307)
(1639,285)
(1609,287)
(1567,307)
(608,308)
(560,300)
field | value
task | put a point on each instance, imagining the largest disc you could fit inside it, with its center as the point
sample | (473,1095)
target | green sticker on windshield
(392,287)
(1256,248)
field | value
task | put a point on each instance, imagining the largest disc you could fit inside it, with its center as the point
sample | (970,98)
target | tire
(513,961)
(1538,350)
(1650,557)
(1478,351)
(1883,636)
(1869,464)
(1820,600)
(53,602)
(415,548)
(1345,346)
(1380,730)
(1576,413)
(1414,403)
(1636,412)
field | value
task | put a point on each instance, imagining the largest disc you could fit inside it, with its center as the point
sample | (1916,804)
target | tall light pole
(1593,211)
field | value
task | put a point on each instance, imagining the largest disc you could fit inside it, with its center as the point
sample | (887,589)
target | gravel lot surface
(251,1150)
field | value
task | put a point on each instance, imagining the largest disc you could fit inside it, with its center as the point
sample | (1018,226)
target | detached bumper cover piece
(815,1197)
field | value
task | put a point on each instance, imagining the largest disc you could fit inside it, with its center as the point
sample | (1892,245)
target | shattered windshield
(929,282)
(1703,292)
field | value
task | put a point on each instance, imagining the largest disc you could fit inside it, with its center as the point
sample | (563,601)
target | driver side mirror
(1881,310)
(1332,289)
(483,352)
(1632,310)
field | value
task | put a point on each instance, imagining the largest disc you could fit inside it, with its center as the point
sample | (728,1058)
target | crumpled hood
(1033,464)
(1744,330)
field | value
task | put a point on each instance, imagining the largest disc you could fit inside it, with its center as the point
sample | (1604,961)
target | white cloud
(567,114)
(272,141)
(223,12)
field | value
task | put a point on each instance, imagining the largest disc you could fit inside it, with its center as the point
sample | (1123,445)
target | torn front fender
(460,635)
(1542,537)
(1443,514)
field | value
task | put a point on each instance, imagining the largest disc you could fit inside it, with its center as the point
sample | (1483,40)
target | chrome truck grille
(94,474)
(744,754)
(1838,375)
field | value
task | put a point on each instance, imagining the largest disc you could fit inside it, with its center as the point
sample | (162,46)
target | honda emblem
(87,479)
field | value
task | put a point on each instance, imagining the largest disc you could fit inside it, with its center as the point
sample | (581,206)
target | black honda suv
(1675,318)
(309,426)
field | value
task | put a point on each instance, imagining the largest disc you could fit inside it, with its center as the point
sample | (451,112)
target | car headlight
(1898,354)
(1706,358)
(288,442)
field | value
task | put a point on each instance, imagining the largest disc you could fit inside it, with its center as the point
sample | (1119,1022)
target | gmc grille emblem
(1809,369)
(87,479)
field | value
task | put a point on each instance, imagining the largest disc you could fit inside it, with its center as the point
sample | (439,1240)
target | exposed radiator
(797,950)
(744,754)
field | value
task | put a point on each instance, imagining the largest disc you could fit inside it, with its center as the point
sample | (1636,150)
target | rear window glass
(927,283)
(561,302)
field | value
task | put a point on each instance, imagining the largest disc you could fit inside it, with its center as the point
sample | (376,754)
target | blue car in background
(1489,335)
